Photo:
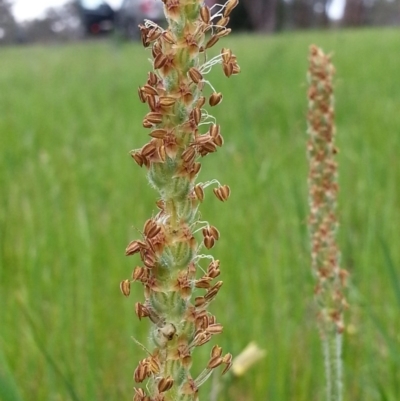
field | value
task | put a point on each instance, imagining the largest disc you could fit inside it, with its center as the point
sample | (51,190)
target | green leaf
(390,267)
(8,386)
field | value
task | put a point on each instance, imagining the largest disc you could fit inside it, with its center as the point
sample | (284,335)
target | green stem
(332,349)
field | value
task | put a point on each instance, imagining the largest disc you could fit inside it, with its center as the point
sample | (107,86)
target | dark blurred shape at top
(8,25)
(97,16)
(134,12)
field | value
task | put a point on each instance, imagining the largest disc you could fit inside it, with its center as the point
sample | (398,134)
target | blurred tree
(8,26)
(354,13)
(382,12)
(302,13)
(58,24)
(262,14)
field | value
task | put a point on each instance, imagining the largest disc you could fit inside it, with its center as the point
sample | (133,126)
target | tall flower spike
(323,188)
(181,134)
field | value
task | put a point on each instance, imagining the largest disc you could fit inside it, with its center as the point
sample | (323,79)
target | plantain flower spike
(323,189)
(178,279)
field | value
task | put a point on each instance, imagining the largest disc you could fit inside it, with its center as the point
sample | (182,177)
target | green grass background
(71,199)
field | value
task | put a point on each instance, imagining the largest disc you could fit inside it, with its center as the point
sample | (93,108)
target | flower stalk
(323,189)
(181,133)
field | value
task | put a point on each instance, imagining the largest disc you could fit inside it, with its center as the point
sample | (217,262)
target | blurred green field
(71,199)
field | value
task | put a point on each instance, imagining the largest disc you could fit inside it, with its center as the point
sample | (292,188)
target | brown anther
(156,49)
(222,193)
(195,75)
(167,101)
(201,139)
(213,271)
(165,384)
(200,102)
(205,15)
(212,41)
(223,32)
(138,158)
(201,322)
(215,99)
(151,229)
(199,301)
(204,282)
(148,149)
(215,328)
(153,117)
(147,124)
(226,54)
(133,247)
(159,61)
(230,5)
(154,34)
(214,130)
(211,294)
(149,90)
(196,168)
(213,291)
(158,133)
(152,79)
(162,154)
(148,225)
(140,395)
(138,273)
(199,191)
(216,351)
(195,114)
(218,140)
(152,102)
(143,33)
(227,360)
(205,231)
(169,37)
(202,338)
(213,265)
(214,232)
(141,310)
(149,260)
(141,372)
(189,155)
(125,287)
(209,242)
(160,204)
(227,69)
(142,96)
(223,22)
(207,147)
(214,362)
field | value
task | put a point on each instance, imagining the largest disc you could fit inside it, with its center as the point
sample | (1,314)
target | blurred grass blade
(382,392)
(391,269)
(49,359)
(8,386)
(391,343)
